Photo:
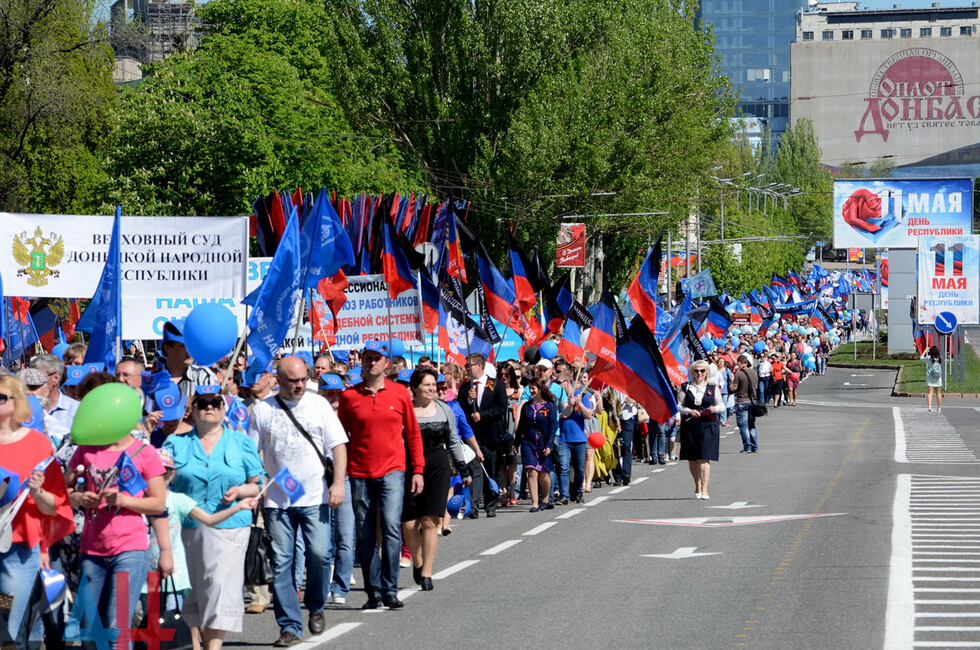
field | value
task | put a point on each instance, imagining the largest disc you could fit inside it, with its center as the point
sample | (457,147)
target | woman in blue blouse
(216,467)
(535,436)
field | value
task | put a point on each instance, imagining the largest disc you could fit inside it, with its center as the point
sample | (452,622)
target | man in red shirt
(380,422)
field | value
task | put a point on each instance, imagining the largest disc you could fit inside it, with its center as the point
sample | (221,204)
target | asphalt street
(852,527)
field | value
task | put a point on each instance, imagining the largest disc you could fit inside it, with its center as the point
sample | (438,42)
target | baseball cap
(208,389)
(171,401)
(381,347)
(405,376)
(330,381)
(75,374)
(166,458)
(173,331)
(546,363)
(32,377)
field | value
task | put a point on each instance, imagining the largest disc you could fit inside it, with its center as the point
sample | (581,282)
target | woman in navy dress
(535,435)
(699,405)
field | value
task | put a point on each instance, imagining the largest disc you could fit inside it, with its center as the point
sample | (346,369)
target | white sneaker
(353,581)
(930,409)
(939,410)
(337,600)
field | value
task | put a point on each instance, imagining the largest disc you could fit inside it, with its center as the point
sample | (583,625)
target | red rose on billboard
(861,206)
(884,272)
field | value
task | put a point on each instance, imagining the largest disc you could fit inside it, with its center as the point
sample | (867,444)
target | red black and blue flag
(501,300)
(643,290)
(572,345)
(602,335)
(398,275)
(519,270)
(718,321)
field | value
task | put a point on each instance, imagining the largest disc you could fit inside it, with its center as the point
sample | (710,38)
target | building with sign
(898,85)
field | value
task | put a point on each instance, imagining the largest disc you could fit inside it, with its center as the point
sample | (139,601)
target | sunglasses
(4,398)
(213,402)
(699,371)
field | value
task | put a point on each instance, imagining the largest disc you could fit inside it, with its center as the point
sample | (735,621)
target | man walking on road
(745,386)
(296,430)
(484,402)
(379,418)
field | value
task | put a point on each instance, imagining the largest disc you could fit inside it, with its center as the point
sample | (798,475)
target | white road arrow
(680,554)
(738,505)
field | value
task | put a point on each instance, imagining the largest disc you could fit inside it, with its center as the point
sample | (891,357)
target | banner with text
(949,275)
(366,316)
(895,213)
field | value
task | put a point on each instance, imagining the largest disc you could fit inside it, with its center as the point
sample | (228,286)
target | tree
(797,164)
(55,94)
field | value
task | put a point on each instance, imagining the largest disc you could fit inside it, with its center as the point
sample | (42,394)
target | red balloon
(596,440)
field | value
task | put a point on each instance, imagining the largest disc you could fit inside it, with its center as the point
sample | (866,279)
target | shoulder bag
(258,555)
(326,462)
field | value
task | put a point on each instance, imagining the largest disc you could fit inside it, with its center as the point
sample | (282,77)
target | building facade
(151,30)
(753,39)
(897,85)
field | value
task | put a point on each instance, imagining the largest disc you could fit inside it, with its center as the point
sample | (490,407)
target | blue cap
(405,375)
(441,379)
(154,381)
(171,401)
(75,374)
(253,372)
(330,381)
(9,486)
(173,331)
(209,389)
(340,355)
(381,347)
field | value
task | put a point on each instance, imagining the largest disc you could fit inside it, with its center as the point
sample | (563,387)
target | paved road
(850,529)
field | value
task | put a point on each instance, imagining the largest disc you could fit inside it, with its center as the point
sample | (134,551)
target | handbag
(326,462)
(170,619)
(258,555)
(759,409)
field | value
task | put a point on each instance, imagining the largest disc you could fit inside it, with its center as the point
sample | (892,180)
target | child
(168,556)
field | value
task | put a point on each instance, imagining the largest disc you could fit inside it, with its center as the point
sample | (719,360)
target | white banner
(169,264)
(949,274)
(365,316)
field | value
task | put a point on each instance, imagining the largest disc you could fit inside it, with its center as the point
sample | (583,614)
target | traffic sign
(945,322)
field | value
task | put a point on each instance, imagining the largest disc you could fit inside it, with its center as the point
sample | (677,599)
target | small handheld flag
(292,487)
(128,477)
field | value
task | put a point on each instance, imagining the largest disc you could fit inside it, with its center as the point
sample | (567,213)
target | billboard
(908,101)
(570,252)
(891,213)
(949,278)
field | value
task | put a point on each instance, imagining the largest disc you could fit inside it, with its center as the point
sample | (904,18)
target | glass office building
(753,38)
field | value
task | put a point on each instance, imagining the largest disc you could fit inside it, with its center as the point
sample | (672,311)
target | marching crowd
(347,461)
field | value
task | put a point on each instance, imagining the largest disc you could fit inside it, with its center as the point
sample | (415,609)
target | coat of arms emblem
(38,254)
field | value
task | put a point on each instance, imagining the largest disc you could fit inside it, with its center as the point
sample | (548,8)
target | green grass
(914,373)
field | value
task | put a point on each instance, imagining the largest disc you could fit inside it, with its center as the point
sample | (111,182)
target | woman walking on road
(700,404)
(934,377)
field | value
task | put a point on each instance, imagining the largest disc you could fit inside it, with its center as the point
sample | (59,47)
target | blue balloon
(810,364)
(548,349)
(708,344)
(759,347)
(210,333)
(396,347)
(719,343)
(59,350)
(835,340)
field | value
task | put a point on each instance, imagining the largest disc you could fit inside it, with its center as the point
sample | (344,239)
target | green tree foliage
(244,114)
(797,164)
(55,93)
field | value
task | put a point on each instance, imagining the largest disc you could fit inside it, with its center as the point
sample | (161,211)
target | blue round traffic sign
(946,322)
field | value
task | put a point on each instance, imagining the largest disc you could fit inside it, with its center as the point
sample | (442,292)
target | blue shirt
(556,390)
(205,479)
(463,427)
(573,427)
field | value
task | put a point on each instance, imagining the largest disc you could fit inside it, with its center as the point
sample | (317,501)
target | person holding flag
(43,516)
(216,467)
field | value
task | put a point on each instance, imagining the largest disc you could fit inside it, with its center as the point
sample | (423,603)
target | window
(847,35)
(966,30)
(925,32)
(866,33)
(758,74)
(887,33)
(807,36)
(827,35)
(906,32)
(945,31)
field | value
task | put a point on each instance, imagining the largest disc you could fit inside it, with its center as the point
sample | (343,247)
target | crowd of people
(346,461)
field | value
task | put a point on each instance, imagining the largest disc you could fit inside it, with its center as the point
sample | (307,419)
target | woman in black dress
(421,514)
(699,405)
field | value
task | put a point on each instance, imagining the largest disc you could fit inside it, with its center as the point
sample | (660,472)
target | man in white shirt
(61,408)
(283,446)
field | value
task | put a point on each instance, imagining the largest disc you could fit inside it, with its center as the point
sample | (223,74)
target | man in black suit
(484,401)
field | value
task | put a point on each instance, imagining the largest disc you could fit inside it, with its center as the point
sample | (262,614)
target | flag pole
(506,327)
(234,356)
(299,319)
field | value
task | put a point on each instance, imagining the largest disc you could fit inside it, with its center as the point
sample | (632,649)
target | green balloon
(106,414)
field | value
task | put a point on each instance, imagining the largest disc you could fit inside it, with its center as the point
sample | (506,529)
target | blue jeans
(763,389)
(285,525)
(18,571)
(571,454)
(341,554)
(821,364)
(102,571)
(625,468)
(379,501)
(746,426)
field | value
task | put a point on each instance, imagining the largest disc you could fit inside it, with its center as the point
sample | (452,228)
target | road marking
(331,634)
(571,513)
(721,522)
(595,501)
(738,505)
(862,375)
(543,527)
(619,489)
(924,437)
(501,547)
(640,480)
(456,568)
(847,383)
(680,554)
(662,469)
(899,436)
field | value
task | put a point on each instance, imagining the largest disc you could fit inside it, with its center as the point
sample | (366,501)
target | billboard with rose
(890,213)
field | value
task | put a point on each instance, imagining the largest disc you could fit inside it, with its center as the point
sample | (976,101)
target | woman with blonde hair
(453,375)
(699,404)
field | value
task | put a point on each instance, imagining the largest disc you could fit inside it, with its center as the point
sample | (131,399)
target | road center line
(499,548)
(640,480)
(333,633)
(619,489)
(571,513)
(595,501)
(543,527)
(456,568)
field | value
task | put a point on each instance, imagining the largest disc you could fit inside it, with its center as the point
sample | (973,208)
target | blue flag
(293,489)
(103,316)
(274,302)
(324,243)
(236,417)
(129,478)
(702,285)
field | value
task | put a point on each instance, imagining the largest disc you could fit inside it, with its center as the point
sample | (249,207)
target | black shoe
(391,601)
(372,603)
(580,499)
(474,514)
(317,623)
(548,506)
(426,584)
(617,483)
(285,640)
(491,513)
(626,480)
(417,574)
(564,502)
